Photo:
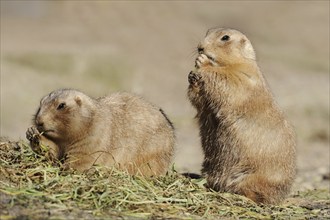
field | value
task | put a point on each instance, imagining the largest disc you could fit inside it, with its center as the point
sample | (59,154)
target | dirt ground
(149,48)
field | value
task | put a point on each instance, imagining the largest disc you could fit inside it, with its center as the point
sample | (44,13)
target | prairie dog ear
(78,100)
(247,49)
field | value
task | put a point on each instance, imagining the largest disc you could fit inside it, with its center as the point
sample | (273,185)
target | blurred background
(149,48)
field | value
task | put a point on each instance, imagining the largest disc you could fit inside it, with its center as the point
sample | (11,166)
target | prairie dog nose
(200,49)
(39,124)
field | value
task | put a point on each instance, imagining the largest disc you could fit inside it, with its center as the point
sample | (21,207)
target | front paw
(33,135)
(202,60)
(194,78)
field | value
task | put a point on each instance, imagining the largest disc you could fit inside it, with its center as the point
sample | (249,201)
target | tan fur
(118,130)
(249,147)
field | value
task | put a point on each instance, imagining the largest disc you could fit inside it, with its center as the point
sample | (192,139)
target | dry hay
(33,188)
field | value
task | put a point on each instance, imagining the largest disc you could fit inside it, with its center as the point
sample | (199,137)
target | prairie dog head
(64,114)
(226,46)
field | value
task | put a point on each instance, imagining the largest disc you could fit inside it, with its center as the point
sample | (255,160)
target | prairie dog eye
(61,106)
(225,38)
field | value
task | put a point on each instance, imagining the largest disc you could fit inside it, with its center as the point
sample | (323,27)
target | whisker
(193,53)
(100,151)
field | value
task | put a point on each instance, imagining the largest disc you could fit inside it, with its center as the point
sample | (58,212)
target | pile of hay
(32,188)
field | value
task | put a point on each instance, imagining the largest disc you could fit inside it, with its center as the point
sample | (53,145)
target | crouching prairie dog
(120,130)
(249,147)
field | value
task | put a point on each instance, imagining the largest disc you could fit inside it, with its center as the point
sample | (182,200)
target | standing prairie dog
(118,130)
(249,147)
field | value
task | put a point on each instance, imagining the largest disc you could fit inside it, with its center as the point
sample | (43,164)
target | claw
(193,78)
(33,135)
(202,59)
